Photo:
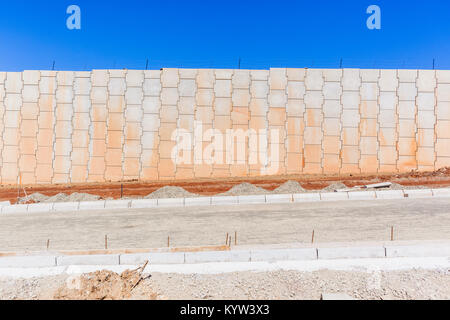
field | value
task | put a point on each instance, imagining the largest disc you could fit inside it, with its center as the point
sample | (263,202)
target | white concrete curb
(223,200)
(239,255)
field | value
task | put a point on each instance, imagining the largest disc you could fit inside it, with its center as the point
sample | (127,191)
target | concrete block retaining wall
(113,125)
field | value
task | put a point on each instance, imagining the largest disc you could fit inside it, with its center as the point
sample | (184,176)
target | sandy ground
(345,221)
(412,284)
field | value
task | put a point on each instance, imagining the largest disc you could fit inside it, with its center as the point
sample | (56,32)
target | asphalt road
(413,219)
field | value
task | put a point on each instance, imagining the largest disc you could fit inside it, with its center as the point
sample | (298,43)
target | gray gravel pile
(290,187)
(171,192)
(244,189)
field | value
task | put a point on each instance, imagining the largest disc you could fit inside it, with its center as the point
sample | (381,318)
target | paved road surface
(414,219)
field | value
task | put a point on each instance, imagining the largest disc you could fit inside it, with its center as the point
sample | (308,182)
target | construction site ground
(115,190)
(345,221)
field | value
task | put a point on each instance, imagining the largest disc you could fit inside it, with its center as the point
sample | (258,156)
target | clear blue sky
(212,33)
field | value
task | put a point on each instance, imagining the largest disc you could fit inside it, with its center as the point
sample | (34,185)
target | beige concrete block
(331,127)
(407,75)
(131,168)
(13,82)
(223,89)
(332,90)
(136,95)
(331,163)
(135,113)
(314,99)
(313,117)
(443,92)
(332,108)
(426,101)
(96,168)
(426,137)
(80,139)
(117,73)
(388,155)
(426,119)
(81,121)
(407,91)
(350,136)
(334,75)
(368,127)
(351,79)
(314,79)
(369,145)
(312,135)
(99,78)
(115,139)
(205,97)
(277,117)
(425,156)
(350,118)
(442,147)
(369,91)
(11,119)
(117,86)
(44,173)
(30,93)
(388,100)
(258,107)
(187,88)
(350,154)
(99,95)
(241,97)
(13,101)
(369,109)
(98,130)
(170,78)
(28,145)
(295,108)
(443,76)
(151,122)
(443,111)
(387,118)
(406,110)
(312,153)
(205,79)
(63,129)
(295,126)
(223,74)
(369,163)
(98,148)
(407,146)
(114,173)
(406,163)
(260,75)
(28,128)
(31,77)
(426,80)
(47,85)
(259,89)
(442,162)
(11,136)
(296,90)
(369,75)
(64,112)
(241,79)
(407,128)
(65,78)
(387,136)
(152,74)
(47,102)
(44,155)
(81,104)
(80,156)
(132,131)
(152,87)
(388,80)
(331,144)
(204,114)
(45,137)
(277,79)
(186,105)
(61,165)
(9,173)
(350,100)
(151,105)
(442,130)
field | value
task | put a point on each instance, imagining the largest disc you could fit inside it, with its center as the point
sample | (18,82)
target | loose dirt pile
(244,189)
(334,186)
(106,285)
(171,192)
(60,197)
(290,187)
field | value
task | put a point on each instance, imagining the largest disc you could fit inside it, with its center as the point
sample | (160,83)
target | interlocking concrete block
(199,201)
(278,198)
(217,256)
(351,252)
(144,203)
(17,208)
(333,196)
(435,250)
(92,260)
(441,192)
(362,195)
(418,193)
(306,197)
(390,194)
(117,204)
(65,206)
(283,254)
(153,258)
(92,205)
(173,202)
(39,207)
(250,199)
(225,200)
(27,261)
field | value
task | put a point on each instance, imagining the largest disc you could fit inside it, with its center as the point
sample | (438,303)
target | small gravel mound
(334,186)
(290,187)
(171,192)
(35,197)
(244,189)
